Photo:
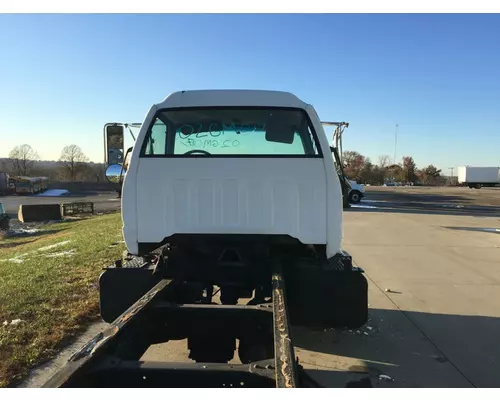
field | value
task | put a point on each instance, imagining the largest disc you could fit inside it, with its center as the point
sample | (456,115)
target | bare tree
(72,161)
(353,163)
(384,161)
(23,158)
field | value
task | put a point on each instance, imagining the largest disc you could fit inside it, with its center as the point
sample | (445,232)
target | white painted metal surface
(300,197)
(215,98)
(467,174)
(357,186)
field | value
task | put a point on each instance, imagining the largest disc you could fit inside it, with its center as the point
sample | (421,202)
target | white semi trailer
(477,177)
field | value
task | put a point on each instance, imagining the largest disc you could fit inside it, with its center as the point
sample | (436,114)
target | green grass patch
(49,282)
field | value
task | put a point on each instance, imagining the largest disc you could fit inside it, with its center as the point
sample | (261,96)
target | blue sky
(62,77)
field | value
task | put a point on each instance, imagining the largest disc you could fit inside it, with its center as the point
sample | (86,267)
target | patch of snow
(28,231)
(62,253)
(16,260)
(383,377)
(21,258)
(53,193)
(14,322)
(362,206)
(22,232)
(452,205)
(52,246)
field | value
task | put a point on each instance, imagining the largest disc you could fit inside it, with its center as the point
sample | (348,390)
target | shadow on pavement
(418,197)
(470,229)
(339,379)
(423,198)
(424,208)
(414,349)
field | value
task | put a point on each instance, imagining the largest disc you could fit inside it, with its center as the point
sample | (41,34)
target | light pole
(395,142)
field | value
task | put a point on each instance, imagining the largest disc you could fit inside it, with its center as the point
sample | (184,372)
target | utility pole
(395,142)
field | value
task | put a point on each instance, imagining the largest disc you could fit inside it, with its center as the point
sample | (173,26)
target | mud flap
(320,297)
(119,288)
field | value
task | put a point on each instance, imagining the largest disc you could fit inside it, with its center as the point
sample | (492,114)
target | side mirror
(113,173)
(114,143)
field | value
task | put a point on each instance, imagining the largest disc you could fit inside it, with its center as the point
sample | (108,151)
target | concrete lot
(434,276)
(445,195)
(439,324)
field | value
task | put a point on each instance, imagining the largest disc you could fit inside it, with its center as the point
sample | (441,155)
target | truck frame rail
(113,358)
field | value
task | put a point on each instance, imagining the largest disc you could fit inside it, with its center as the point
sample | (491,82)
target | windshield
(231,132)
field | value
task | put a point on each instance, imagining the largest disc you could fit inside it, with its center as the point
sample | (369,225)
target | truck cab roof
(231,97)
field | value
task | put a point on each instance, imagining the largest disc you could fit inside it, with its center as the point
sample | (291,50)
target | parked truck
(477,177)
(356,192)
(232,216)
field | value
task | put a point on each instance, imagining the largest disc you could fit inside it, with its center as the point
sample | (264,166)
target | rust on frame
(285,362)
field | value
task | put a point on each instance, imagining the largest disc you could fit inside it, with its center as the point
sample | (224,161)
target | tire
(354,197)
(478,186)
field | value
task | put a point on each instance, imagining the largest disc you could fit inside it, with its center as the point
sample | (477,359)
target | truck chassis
(179,304)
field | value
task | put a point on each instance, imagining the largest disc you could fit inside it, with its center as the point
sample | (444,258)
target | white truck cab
(244,163)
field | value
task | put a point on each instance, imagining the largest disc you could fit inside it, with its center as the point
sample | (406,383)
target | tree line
(73,165)
(361,169)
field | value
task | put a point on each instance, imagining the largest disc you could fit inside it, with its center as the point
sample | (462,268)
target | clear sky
(62,77)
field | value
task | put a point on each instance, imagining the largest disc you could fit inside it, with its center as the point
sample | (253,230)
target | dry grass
(52,290)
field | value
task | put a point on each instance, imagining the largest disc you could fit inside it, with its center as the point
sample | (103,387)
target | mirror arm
(121,173)
(123,165)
